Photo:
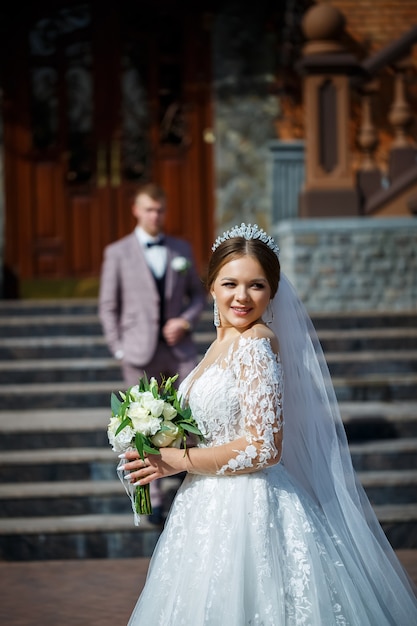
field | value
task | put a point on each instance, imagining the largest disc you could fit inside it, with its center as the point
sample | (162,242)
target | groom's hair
(152,190)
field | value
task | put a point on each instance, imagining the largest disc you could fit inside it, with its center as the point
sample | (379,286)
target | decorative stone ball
(323,22)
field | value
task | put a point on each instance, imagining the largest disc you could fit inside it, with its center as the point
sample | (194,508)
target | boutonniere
(180,264)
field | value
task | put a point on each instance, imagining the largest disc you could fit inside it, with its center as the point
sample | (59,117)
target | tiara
(247,231)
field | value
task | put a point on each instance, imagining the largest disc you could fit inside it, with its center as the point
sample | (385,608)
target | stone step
(393,486)
(99,369)
(367,421)
(99,463)
(57,464)
(115,536)
(76,537)
(77,346)
(365,339)
(54,428)
(63,498)
(399,522)
(97,497)
(59,370)
(74,497)
(364,319)
(49,325)
(378,387)
(16,348)
(84,346)
(50,306)
(390,454)
(59,395)
(31,429)
(60,497)
(64,324)
(93,392)
(371,362)
(124,522)
(89,306)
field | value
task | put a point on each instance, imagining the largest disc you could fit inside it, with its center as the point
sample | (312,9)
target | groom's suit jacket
(129,299)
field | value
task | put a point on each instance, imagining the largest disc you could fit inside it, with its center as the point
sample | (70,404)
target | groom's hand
(174,330)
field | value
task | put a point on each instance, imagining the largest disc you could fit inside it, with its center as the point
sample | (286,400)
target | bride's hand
(171,461)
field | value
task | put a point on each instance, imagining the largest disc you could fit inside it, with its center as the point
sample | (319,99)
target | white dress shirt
(156,256)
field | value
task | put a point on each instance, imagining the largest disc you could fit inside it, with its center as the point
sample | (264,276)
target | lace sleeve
(259,384)
(259,380)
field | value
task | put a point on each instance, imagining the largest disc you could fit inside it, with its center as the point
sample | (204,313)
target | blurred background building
(264,112)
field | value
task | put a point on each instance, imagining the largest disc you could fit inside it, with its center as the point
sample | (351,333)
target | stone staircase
(59,494)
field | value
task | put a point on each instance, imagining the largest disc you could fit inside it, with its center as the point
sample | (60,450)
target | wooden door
(111,98)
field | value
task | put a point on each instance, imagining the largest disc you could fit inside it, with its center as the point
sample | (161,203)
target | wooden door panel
(48,217)
(124,221)
(69,190)
(81,229)
(20,211)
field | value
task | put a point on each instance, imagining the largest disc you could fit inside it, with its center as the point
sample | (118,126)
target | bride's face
(242,292)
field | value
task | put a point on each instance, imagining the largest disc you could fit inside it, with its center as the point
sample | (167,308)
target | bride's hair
(238,247)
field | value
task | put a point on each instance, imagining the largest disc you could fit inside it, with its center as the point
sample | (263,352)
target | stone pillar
(330,189)
(403,153)
(369,176)
(287,178)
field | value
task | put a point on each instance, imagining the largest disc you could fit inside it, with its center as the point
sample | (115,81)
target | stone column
(330,189)
(403,153)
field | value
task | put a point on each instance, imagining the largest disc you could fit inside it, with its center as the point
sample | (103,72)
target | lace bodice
(238,399)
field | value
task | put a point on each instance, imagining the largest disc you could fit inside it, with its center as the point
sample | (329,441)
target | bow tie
(158,242)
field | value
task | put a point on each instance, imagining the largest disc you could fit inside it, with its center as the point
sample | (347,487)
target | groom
(150,299)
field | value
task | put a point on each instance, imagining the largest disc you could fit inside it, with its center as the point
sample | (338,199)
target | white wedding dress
(242,549)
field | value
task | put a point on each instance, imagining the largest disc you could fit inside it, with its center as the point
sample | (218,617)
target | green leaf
(125,422)
(124,406)
(190,428)
(144,383)
(185,413)
(115,404)
(139,442)
(143,444)
(150,449)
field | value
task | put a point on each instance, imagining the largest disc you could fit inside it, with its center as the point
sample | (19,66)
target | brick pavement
(99,592)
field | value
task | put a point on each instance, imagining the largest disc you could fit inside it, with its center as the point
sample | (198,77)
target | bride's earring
(270,313)
(216,316)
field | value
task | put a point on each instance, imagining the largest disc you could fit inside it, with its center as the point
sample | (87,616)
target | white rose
(177,442)
(135,410)
(143,422)
(167,435)
(135,393)
(112,427)
(122,441)
(180,264)
(168,412)
(147,426)
(151,404)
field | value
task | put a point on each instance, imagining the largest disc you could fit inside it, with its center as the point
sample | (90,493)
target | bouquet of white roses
(148,416)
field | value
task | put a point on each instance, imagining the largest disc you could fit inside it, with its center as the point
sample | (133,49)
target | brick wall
(374,24)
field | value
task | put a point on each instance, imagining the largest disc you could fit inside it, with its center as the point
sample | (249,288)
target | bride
(270,526)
